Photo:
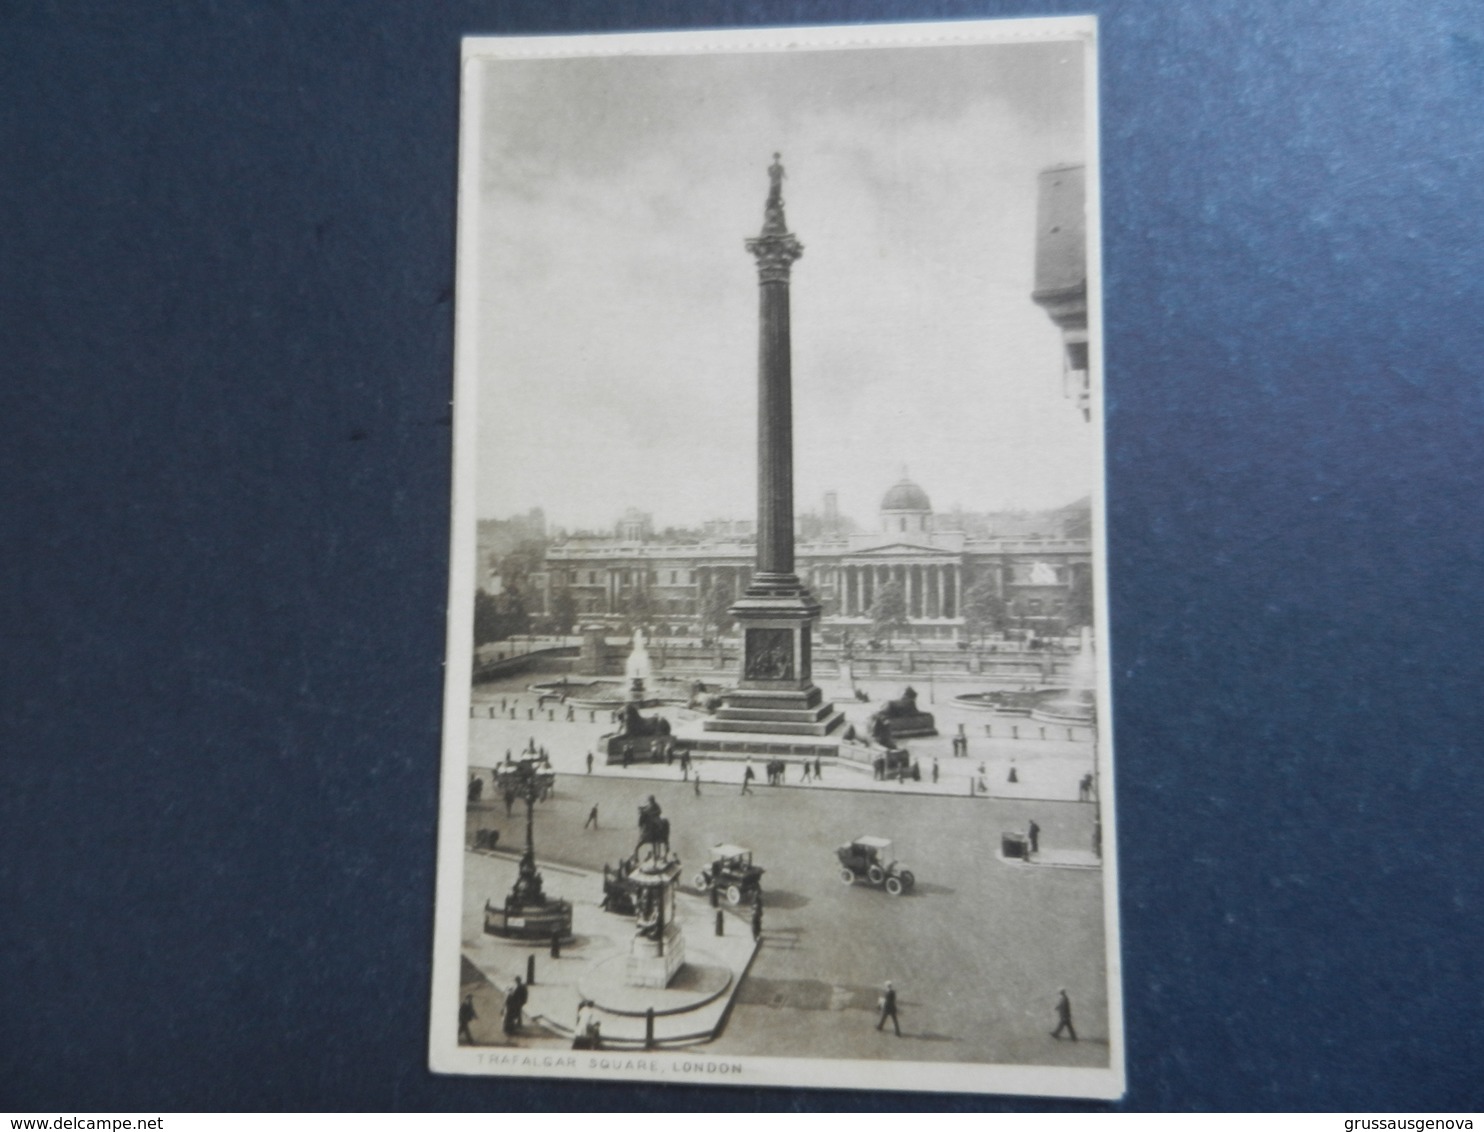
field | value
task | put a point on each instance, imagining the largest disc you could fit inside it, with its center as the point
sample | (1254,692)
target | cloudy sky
(611,312)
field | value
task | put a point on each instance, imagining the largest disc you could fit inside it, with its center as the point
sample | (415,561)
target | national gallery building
(1033,562)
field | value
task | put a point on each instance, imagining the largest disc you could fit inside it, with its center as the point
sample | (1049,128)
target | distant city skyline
(802,508)
(616,330)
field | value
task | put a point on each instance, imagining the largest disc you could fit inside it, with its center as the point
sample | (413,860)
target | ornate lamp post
(527,913)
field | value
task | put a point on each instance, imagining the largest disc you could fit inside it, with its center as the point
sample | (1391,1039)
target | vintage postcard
(777,747)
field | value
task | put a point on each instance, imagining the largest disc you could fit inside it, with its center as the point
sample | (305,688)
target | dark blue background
(226,268)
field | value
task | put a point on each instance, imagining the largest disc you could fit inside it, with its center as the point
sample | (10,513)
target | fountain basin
(1076,707)
(1021,702)
(1045,705)
(611,694)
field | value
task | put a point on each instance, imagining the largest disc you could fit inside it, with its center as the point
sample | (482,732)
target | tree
(889,610)
(499,616)
(486,618)
(638,609)
(563,611)
(984,610)
(715,605)
(1079,600)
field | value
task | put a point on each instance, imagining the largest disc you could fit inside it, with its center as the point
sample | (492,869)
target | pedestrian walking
(592,817)
(808,771)
(1064,1016)
(586,1033)
(1033,835)
(571,715)
(818,770)
(592,717)
(757,918)
(515,1004)
(747,777)
(466,1015)
(589,762)
(935,770)
(887,1004)
(698,784)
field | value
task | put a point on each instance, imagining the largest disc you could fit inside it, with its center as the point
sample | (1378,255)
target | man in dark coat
(1063,1016)
(515,1004)
(888,1006)
(1033,835)
(757,918)
(466,1015)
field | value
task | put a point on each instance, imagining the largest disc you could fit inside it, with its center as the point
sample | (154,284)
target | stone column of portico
(776,692)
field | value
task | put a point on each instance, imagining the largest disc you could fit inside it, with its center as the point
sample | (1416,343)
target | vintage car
(870,858)
(731,873)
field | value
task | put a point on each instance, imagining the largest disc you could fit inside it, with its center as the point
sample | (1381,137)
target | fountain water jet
(637,669)
(1078,704)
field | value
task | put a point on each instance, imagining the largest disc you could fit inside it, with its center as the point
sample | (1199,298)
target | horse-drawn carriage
(732,873)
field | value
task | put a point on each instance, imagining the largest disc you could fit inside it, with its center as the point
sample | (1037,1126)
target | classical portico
(933,589)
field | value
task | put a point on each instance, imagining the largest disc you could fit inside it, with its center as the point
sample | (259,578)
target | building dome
(905,509)
(905,496)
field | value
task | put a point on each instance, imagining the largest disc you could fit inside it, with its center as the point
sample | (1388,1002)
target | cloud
(617,310)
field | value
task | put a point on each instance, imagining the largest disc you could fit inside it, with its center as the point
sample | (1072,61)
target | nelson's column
(776,694)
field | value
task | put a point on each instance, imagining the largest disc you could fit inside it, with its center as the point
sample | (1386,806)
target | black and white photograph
(777,735)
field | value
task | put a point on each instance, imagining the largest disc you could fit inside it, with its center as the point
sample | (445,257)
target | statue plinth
(655,963)
(657,950)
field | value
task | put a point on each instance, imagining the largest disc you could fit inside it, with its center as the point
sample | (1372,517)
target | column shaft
(775,487)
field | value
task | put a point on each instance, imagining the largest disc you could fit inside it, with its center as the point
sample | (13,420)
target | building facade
(1061,272)
(1036,565)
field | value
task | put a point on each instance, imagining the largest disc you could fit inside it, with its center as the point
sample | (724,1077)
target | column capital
(776,253)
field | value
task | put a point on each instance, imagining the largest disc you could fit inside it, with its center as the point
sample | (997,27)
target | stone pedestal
(653,963)
(776,695)
(657,950)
